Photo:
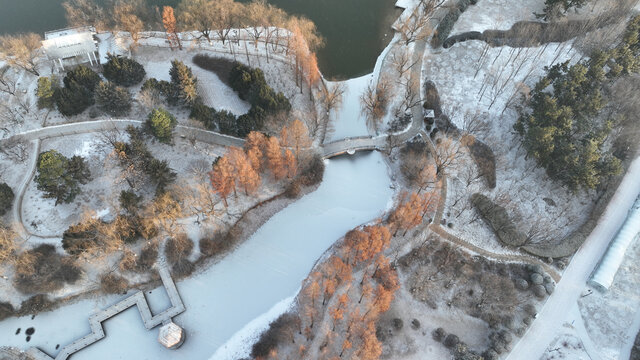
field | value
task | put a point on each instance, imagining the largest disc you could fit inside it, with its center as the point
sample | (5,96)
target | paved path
(552,316)
(17,205)
(512,258)
(352,144)
(37,135)
(138,299)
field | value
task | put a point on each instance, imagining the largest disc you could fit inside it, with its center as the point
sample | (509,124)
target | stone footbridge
(138,299)
(351,145)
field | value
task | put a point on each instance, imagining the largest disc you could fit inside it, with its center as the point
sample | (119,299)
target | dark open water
(356,31)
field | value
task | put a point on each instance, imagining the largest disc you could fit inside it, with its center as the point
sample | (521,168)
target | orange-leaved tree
(169,23)
(223,178)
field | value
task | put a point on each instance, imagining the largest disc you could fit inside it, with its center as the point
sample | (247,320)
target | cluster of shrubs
(88,235)
(446,24)
(311,174)
(136,154)
(498,218)
(251,86)
(538,282)
(42,270)
(452,342)
(280,330)
(32,305)
(111,283)
(143,262)
(83,87)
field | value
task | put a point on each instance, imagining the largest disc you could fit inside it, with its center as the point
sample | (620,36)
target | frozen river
(239,294)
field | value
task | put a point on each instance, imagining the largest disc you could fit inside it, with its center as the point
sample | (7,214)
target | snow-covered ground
(484,88)
(496,15)
(42,217)
(554,313)
(612,319)
(246,284)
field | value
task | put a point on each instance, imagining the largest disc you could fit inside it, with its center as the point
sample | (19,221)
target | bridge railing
(366,137)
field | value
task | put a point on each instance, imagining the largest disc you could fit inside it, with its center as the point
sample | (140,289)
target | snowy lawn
(612,319)
(485,88)
(496,15)
(42,217)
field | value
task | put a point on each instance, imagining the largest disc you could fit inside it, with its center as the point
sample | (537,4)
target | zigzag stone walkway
(138,299)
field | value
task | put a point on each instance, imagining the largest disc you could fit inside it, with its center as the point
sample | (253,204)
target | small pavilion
(71,46)
(171,335)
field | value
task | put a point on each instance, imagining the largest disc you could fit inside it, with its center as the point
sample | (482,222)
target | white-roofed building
(71,46)
(604,274)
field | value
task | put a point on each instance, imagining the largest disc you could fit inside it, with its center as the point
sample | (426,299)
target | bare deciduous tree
(413,28)
(401,60)
(331,99)
(21,51)
(375,101)
(446,154)
(15,149)
(475,123)
(429,6)
(85,13)
(127,20)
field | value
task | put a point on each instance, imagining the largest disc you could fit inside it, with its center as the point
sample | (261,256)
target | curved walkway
(37,135)
(513,258)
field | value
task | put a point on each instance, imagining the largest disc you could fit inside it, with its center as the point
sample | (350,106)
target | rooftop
(65,43)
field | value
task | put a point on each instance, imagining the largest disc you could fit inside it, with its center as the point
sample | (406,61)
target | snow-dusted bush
(123,71)
(210,247)
(6,310)
(113,284)
(183,268)
(178,248)
(499,220)
(35,304)
(161,122)
(148,257)
(6,198)
(42,270)
(313,172)
(112,99)
(445,26)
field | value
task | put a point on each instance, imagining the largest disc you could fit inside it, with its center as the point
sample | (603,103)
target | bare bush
(211,246)
(6,310)
(178,248)
(148,257)
(15,149)
(35,304)
(111,283)
(183,268)
(42,270)
(375,101)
